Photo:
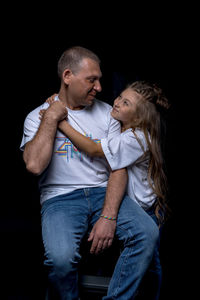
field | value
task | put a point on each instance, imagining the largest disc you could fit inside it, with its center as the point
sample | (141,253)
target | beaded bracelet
(108,218)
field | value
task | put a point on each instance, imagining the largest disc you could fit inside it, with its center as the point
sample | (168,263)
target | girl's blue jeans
(65,221)
(151,283)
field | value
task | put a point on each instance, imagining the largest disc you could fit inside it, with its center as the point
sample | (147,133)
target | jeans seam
(124,261)
(126,231)
(121,275)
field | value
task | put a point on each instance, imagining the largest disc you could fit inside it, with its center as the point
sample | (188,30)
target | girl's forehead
(131,95)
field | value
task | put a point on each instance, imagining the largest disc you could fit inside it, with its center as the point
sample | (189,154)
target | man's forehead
(89,63)
(89,66)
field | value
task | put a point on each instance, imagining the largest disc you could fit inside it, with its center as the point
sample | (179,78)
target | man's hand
(56,110)
(103,231)
(102,235)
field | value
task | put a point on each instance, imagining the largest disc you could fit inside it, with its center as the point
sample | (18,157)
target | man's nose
(97,86)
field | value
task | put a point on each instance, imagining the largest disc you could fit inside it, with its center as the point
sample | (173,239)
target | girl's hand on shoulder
(41,113)
(51,99)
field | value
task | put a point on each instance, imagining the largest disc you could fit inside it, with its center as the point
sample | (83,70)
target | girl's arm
(82,142)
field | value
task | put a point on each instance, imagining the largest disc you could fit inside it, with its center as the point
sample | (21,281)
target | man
(80,194)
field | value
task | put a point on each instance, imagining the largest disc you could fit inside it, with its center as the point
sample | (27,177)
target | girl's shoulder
(135,136)
(139,134)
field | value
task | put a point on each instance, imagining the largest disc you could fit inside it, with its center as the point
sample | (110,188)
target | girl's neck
(124,127)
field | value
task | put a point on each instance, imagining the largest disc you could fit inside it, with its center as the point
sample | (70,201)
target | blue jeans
(65,221)
(151,283)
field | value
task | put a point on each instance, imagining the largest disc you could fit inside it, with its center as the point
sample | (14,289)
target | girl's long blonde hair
(148,118)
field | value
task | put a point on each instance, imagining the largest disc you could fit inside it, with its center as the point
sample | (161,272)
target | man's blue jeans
(65,221)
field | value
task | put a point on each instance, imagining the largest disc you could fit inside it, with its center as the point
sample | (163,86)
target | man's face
(85,84)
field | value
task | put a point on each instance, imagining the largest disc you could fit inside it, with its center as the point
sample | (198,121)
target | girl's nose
(116,102)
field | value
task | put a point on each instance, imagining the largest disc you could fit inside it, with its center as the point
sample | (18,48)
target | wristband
(108,218)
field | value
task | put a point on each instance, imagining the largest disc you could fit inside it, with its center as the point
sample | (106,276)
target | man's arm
(38,151)
(103,231)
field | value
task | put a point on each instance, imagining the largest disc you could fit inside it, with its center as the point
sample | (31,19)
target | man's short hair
(72,58)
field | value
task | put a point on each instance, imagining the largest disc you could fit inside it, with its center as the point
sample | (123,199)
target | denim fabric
(151,284)
(65,221)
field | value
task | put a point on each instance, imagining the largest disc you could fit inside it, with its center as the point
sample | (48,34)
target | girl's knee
(147,233)
(150,232)
(153,231)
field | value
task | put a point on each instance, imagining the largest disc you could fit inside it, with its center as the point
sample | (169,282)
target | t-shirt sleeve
(121,151)
(31,125)
(114,127)
(30,129)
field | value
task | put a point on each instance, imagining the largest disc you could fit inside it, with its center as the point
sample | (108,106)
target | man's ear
(66,76)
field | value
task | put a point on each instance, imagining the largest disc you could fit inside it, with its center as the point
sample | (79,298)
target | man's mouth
(92,94)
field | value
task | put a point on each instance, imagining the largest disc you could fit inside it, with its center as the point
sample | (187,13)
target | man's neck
(63,97)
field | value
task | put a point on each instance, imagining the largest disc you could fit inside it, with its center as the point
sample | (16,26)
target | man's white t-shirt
(125,151)
(70,169)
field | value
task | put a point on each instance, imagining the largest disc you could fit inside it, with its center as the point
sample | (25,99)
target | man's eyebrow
(94,76)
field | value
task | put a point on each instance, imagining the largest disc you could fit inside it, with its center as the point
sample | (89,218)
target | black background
(146,42)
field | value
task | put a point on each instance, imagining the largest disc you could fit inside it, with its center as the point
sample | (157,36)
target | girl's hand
(51,99)
(41,113)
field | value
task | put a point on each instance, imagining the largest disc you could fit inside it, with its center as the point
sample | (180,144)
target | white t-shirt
(70,169)
(125,151)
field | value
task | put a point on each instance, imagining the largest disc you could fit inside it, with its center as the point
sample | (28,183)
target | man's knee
(65,263)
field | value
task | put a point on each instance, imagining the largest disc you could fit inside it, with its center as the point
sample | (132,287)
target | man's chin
(90,100)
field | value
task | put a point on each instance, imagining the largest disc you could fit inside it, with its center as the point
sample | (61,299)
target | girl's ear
(66,76)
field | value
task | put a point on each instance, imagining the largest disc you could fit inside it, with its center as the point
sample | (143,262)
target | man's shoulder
(35,112)
(101,105)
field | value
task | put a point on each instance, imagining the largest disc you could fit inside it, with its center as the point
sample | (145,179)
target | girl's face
(124,108)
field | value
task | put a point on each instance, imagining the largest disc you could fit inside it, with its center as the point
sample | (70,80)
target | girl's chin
(113,114)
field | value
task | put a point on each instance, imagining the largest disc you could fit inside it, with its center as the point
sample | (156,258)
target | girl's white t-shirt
(71,169)
(123,151)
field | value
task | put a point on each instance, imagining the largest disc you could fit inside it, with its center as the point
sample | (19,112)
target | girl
(137,148)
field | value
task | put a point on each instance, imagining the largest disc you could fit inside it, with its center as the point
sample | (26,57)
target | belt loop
(86,192)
